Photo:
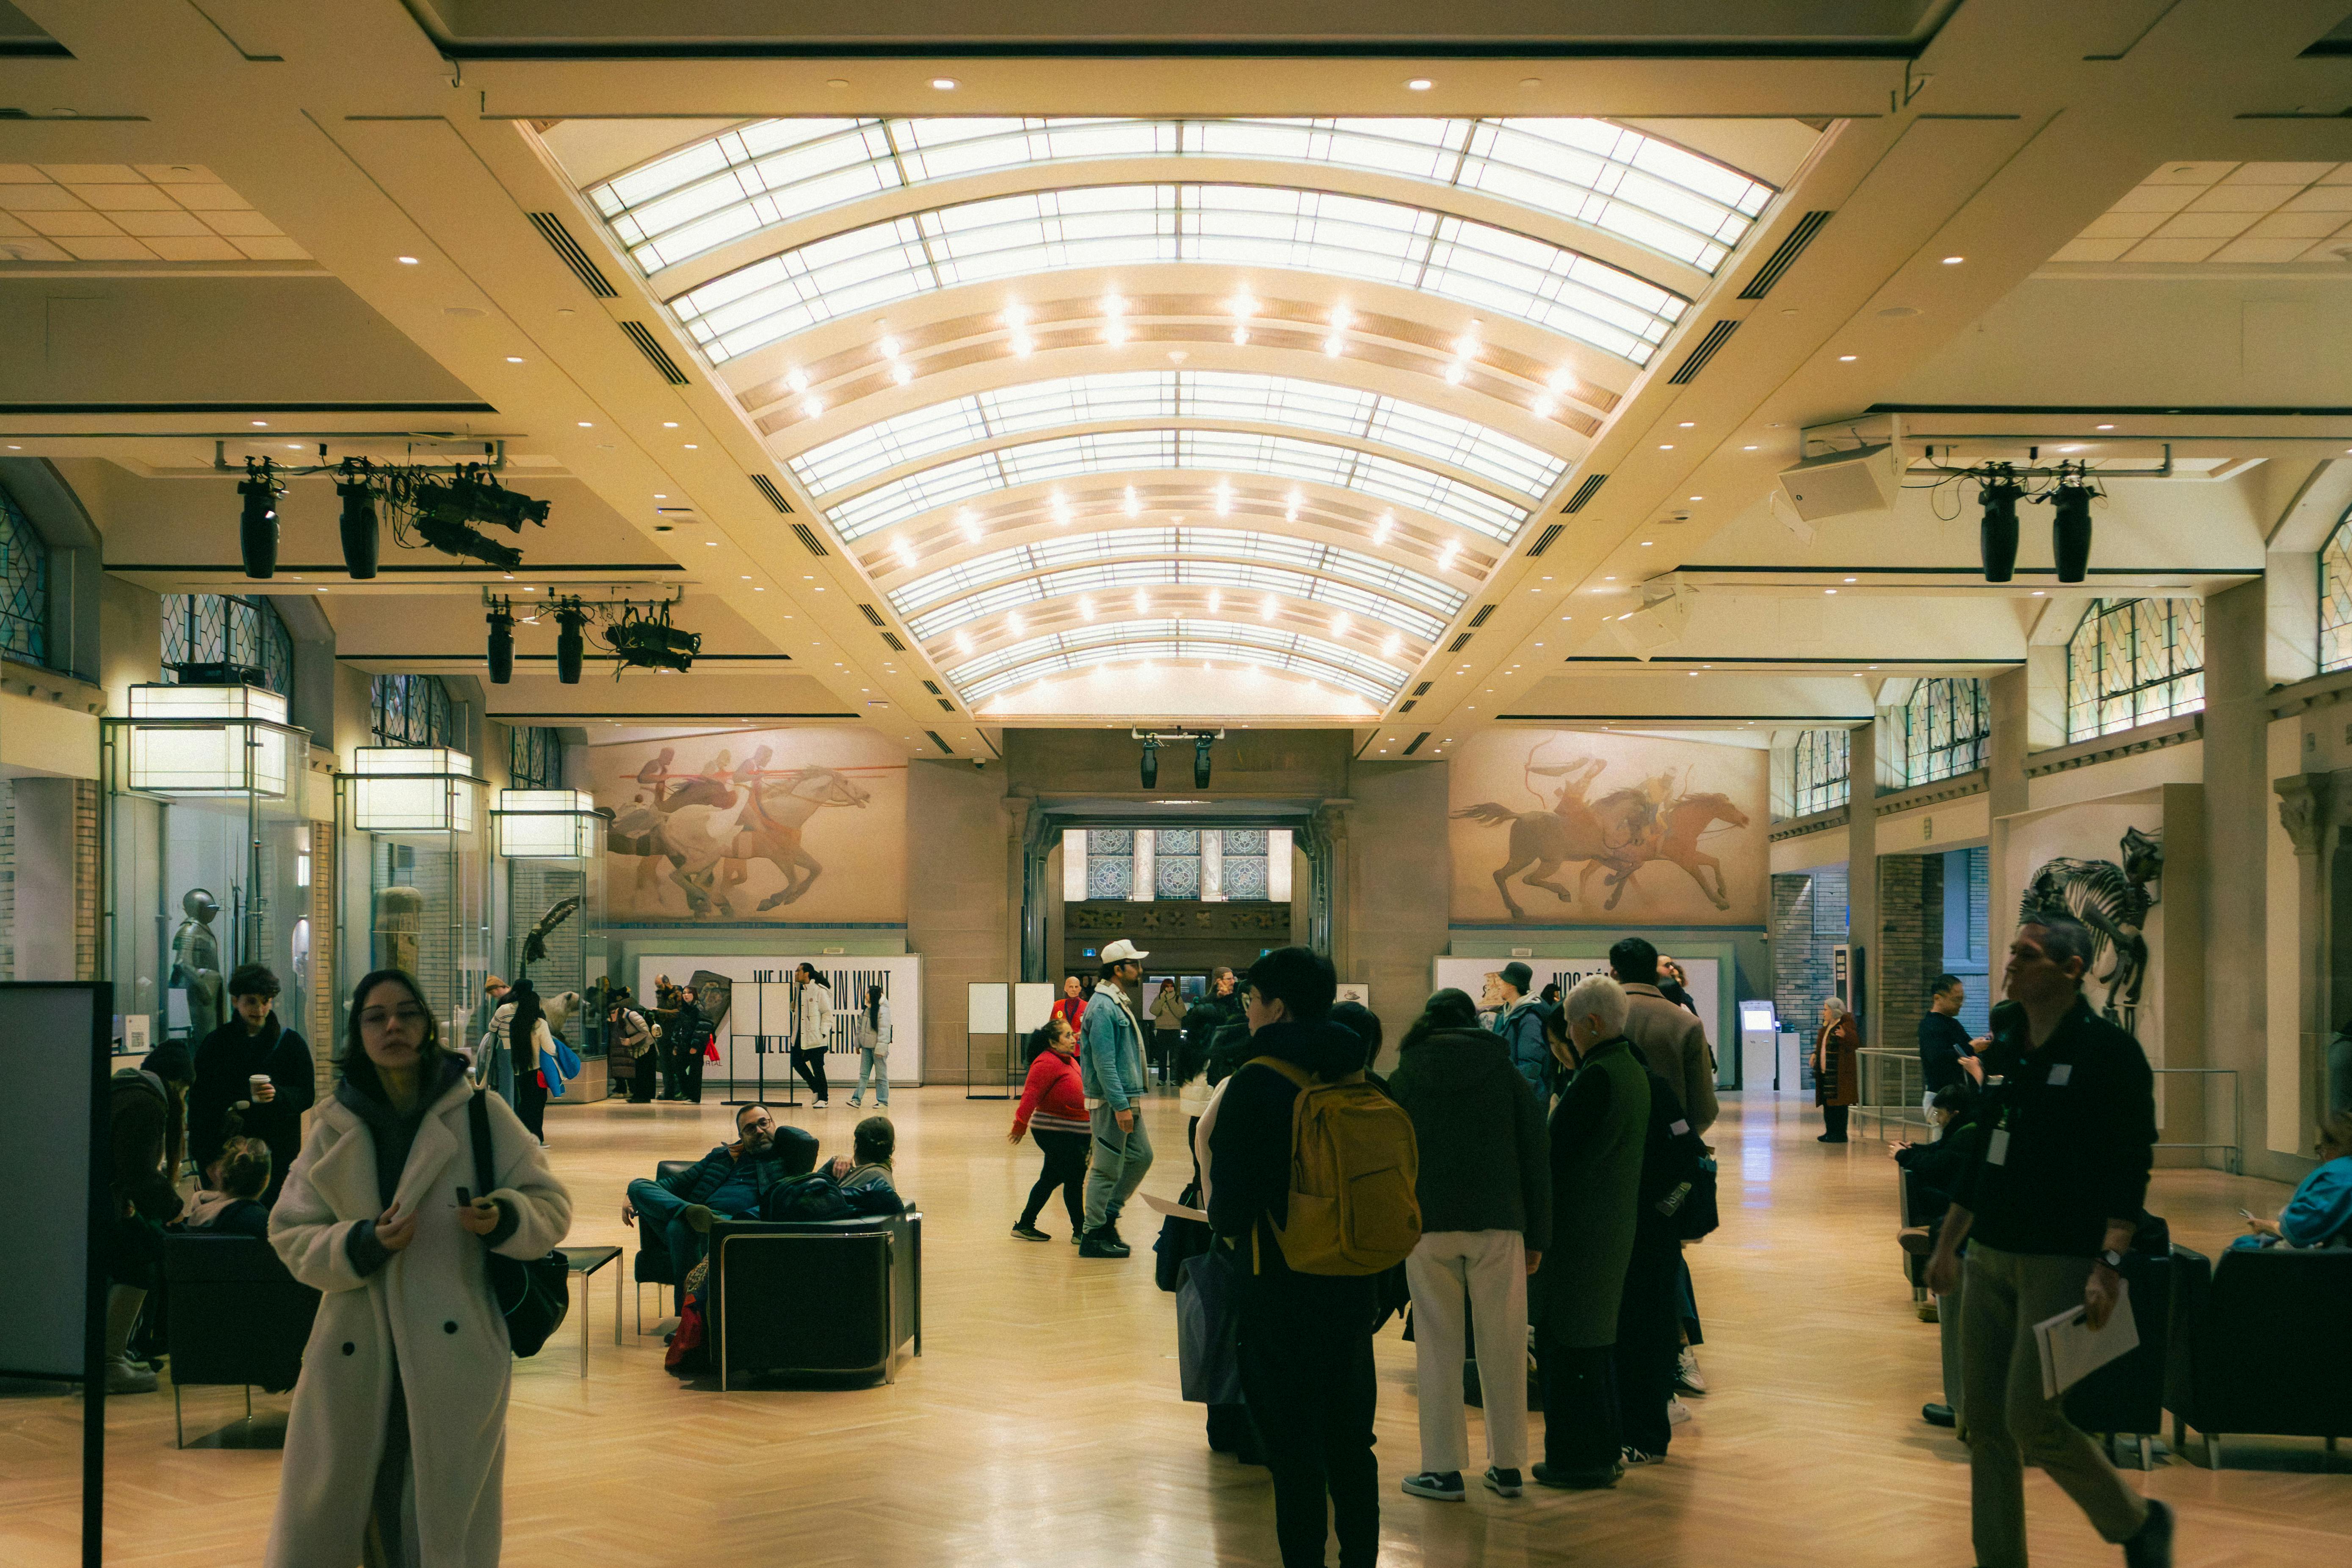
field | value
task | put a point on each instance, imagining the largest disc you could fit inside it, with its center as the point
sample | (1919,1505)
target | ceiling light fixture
(796,379)
(1997,494)
(1381,532)
(1445,556)
(501,648)
(1954,260)
(2070,521)
(1133,506)
(258,522)
(970,521)
(406,261)
(943,83)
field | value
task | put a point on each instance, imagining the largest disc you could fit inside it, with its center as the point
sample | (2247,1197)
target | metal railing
(2233,1155)
(1904,1107)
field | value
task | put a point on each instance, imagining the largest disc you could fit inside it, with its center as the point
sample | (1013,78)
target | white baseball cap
(1123,952)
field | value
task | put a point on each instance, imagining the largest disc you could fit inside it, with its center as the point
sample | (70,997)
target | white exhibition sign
(760,1006)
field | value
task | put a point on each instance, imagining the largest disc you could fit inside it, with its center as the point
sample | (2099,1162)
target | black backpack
(810,1197)
(1678,1185)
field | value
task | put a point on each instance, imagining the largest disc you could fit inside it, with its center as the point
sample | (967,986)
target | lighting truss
(639,633)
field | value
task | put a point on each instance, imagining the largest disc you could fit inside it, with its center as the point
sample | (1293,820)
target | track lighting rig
(1154,739)
(2070,490)
(640,635)
(430,507)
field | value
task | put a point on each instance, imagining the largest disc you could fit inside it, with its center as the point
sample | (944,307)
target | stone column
(2237,807)
(2012,693)
(1861,878)
(2307,804)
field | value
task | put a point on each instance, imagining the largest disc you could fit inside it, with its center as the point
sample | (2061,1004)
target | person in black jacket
(1305,1340)
(1945,1047)
(259,1067)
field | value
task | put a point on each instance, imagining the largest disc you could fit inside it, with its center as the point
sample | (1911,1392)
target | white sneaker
(1687,1374)
(1676,1412)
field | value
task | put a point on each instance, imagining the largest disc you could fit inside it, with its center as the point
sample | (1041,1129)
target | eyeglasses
(377,1017)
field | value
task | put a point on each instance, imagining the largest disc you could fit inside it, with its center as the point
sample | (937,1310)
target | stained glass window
(1947,729)
(410,711)
(1823,770)
(2335,599)
(228,628)
(24,586)
(2133,662)
(534,758)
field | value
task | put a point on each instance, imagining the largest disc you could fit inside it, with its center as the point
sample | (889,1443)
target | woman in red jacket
(1053,1110)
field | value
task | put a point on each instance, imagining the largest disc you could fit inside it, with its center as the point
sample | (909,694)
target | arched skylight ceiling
(1190,544)
(1223,396)
(1457,260)
(1652,192)
(978,679)
(1117,581)
(1111,452)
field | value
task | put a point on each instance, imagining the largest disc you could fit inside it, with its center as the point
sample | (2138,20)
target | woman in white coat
(871,1030)
(396,1451)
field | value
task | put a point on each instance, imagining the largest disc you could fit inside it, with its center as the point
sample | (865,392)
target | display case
(552,851)
(411,825)
(206,851)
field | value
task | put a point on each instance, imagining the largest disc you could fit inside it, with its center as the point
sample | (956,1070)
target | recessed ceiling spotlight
(1748,449)
(1666,445)
(1954,260)
(1698,498)
(406,261)
(514,359)
(1852,579)
(1690,425)
(1417,84)
(1845,359)
(586,424)
(670,424)
(2106,427)
(943,83)
(261,422)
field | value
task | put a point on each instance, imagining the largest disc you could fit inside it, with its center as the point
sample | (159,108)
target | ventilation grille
(1422,689)
(559,239)
(890,640)
(1781,259)
(946,704)
(1458,644)
(1584,492)
(655,355)
(932,687)
(1543,540)
(1405,706)
(942,745)
(1417,740)
(1716,336)
(1480,618)
(809,538)
(873,617)
(776,499)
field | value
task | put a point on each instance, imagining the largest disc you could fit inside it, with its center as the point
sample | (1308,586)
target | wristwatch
(2112,1259)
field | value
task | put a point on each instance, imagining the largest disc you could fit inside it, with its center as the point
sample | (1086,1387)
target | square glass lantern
(414,889)
(206,841)
(552,843)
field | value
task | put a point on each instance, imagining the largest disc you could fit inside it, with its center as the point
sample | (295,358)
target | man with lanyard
(2047,1207)
(1110,1069)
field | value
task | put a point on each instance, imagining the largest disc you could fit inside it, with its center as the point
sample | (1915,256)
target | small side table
(585,1261)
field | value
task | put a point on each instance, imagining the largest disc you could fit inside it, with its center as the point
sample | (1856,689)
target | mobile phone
(2245,1214)
(464,1198)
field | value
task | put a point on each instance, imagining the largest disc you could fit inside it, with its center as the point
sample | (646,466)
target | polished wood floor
(1042,1425)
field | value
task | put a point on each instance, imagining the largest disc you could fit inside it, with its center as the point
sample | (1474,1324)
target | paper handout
(2071,1351)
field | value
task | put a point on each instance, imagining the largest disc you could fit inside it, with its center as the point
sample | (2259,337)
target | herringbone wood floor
(1042,1425)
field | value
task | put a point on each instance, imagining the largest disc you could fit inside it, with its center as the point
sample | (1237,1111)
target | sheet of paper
(1164,1205)
(2070,1350)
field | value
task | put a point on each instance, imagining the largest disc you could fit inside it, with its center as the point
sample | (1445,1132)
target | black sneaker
(1445,1488)
(1578,1480)
(1030,1233)
(1103,1243)
(1938,1415)
(1501,1482)
(2152,1547)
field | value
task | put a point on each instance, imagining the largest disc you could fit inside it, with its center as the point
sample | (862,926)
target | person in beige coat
(1671,1040)
(395,1450)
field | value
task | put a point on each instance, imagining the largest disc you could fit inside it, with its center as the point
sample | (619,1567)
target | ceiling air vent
(655,355)
(942,745)
(873,617)
(932,687)
(1716,336)
(946,704)
(1584,492)
(1422,689)
(1543,540)
(559,239)
(776,499)
(1480,618)
(890,640)
(1781,259)
(1458,644)
(809,538)
(1405,706)
(1417,740)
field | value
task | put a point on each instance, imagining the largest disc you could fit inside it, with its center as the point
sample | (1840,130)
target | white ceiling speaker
(1659,622)
(1839,484)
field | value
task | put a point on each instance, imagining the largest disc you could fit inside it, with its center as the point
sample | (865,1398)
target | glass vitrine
(411,825)
(552,846)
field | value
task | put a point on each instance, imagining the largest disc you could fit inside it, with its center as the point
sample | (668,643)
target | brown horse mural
(709,828)
(1620,833)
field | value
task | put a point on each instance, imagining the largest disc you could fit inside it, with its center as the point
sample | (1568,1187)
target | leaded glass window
(534,758)
(1824,771)
(1111,863)
(410,711)
(1245,863)
(2133,662)
(1947,729)
(24,586)
(2335,599)
(228,630)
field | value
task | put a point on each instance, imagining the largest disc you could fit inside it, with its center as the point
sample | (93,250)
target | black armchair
(2260,1351)
(831,1297)
(651,1264)
(2127,1393)
(235,1316)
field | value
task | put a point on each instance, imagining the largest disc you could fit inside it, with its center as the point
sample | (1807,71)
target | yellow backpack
(1353,1168)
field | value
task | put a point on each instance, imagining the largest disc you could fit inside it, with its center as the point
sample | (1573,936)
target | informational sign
(759,1010)
(988,1007)
(1033,1004)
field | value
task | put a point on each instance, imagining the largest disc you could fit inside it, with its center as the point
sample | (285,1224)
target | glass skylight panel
(1469,263)
(1005,668)
(1278,456)
(1179,394)
(1589,170)
(1113,577)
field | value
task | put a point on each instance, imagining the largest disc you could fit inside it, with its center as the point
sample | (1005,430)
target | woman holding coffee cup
(259,1067)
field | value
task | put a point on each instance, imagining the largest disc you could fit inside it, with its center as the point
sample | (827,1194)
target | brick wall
(1911,944)
(85,878)
(1809,918)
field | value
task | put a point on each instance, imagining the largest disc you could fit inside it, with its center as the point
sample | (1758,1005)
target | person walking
(395,1448)
(1484,1187)
(254,1066)
(1053,1110)
(871,1032)
(812,1034)
(1597,1132)
(1520,1023)
(1110,1064)
(520,1025)
(1304,1340)
(1167,1025)
(2047,1208)
(1837,1071)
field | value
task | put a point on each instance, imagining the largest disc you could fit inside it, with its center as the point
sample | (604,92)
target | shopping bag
(1180,1237)
(1208,1362)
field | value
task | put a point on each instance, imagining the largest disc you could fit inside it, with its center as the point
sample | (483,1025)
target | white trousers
(1489,1268)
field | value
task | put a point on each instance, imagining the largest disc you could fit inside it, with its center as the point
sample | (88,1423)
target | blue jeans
(879,1071)
(1121,1159)
(657,1206)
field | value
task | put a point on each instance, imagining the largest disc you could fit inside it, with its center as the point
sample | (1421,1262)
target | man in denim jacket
(1110,1068)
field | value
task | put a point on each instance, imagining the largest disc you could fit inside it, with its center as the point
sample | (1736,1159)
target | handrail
(1905,1111)
(2234,1159)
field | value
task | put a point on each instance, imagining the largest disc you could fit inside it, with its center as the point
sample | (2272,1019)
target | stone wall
(962,903)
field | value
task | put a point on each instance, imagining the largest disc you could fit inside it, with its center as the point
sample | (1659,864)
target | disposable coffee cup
(259,1081)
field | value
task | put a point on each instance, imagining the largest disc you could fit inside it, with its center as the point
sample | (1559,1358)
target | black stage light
(492,502)
(501,620)
(258,528)
(1997,492)
(443,512)
(1201,762)
(359,524)
(570,646)
(648,641)
(2070,528)
(1152,762)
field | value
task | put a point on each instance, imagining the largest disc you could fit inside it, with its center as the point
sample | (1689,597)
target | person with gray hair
(1837,1070)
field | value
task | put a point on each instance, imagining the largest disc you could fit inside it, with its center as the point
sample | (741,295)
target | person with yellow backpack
(1312,1198)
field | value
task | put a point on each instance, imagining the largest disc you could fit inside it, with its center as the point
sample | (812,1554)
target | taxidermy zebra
(2113,900)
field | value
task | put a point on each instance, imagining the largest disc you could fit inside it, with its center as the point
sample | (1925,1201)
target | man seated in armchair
(733,1180)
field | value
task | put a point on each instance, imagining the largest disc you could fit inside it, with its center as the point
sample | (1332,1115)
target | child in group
(232,1206)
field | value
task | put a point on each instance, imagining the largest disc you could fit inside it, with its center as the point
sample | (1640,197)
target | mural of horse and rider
(786,826)
(1611,829)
